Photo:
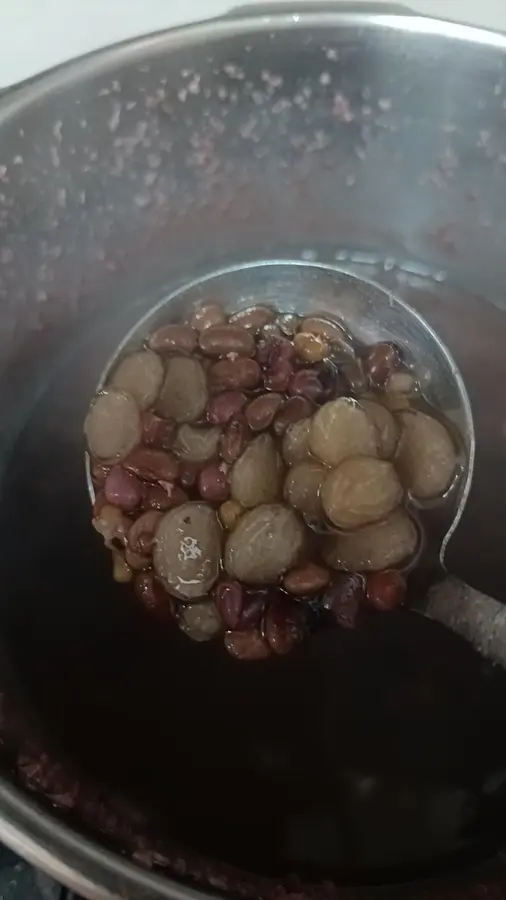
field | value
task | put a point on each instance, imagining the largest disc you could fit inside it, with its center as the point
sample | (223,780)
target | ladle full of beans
(259,474)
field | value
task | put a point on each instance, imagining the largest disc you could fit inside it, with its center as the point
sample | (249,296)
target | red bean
(235,374)
(214,483)
(122,489)
(320,383)
(252,610)
(234,440)
(229,598)
(163,496)
(345,597)
(141,533)
(246,645)
(158,432)
(205,316)
(284,625)
(224,407)
(295,409)
(386,590)
(306,383)
(169,338)
(155,497)
(254,317)
(153,596)
(153,465)
(220,340)
(278,376)
(308,579)
(261,411)
(272,351)
(382,359)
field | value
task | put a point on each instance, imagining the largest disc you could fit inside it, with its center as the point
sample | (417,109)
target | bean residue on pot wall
(243,479)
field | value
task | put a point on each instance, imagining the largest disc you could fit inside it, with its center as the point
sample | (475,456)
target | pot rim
(39,838)
(26,828)
(247,20)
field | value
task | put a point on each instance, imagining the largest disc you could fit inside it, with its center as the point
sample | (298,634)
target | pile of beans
(253,468)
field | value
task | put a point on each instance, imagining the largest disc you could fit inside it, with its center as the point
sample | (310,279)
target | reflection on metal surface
(34,853)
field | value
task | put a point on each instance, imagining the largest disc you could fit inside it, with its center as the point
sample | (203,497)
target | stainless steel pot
(371,139)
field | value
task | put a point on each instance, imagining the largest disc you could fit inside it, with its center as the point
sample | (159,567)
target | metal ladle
(370,313)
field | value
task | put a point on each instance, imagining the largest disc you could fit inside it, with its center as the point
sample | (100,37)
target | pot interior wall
(367,755)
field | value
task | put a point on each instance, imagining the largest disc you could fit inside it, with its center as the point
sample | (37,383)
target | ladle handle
(479,619)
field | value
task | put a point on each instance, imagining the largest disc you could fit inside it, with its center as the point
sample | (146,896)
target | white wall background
(37,34)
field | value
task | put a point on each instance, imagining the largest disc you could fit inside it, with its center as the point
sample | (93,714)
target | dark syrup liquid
(361,756)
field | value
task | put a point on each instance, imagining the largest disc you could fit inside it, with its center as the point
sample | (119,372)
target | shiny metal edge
(270,7)
(19,815)
(99,62)
(37,856)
